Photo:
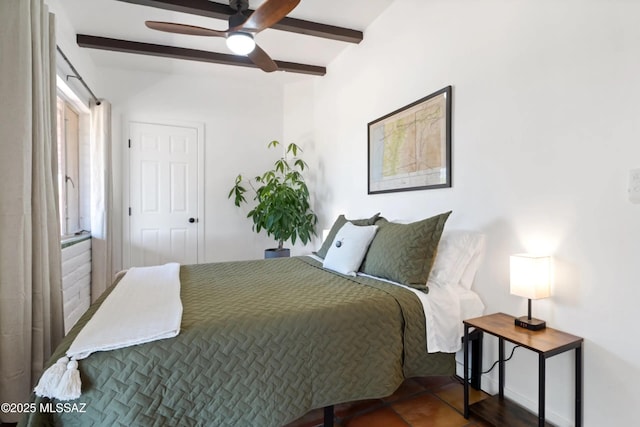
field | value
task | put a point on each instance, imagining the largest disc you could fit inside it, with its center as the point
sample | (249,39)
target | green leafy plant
(282,199)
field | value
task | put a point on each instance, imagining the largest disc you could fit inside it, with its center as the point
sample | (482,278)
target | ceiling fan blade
(267,14)
(191,30)
(262,60)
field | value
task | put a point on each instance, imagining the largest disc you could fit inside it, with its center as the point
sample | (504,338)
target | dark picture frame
(410,148)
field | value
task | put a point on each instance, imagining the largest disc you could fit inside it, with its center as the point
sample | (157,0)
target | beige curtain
(31,322)
(101,197)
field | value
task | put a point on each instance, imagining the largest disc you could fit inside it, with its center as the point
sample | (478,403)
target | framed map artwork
(410,148)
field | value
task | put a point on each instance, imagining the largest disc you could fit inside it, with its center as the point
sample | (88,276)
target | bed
(261,343)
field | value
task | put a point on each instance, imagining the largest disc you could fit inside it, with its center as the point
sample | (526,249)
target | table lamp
(530,278)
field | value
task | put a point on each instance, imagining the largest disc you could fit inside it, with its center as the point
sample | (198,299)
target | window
(69,182)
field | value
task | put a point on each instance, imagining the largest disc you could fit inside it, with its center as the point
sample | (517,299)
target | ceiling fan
(241,29)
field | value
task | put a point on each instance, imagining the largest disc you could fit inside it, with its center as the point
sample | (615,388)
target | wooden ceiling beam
(222,11)
(104,43)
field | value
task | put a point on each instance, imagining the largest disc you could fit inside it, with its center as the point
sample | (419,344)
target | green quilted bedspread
(262,343)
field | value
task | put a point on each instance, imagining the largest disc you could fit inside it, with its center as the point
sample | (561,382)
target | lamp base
(530,324)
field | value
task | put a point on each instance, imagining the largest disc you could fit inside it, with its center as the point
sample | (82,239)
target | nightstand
(548,342)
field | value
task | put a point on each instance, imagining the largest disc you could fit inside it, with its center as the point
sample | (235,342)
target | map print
(409,149)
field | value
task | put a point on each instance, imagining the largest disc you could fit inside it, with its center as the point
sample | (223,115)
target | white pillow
(470,272)
(349,248)
(459,256)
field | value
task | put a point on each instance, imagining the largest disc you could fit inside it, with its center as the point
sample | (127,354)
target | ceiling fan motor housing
(239,5)
(236,20)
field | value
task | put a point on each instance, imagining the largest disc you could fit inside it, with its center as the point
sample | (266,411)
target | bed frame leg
(328,416)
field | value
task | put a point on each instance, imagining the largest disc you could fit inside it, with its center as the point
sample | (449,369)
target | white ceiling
(121,20)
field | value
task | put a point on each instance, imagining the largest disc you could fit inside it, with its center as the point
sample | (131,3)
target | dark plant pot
(276,253)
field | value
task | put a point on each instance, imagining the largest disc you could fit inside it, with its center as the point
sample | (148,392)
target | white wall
(545,131)
(239,119)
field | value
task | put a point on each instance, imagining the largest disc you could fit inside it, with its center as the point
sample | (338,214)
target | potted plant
(282,201)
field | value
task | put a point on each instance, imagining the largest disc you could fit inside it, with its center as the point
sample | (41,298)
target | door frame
(126,184)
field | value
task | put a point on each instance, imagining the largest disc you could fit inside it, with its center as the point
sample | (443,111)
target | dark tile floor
(418,402)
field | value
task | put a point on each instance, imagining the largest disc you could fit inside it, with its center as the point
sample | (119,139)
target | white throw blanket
(145,306)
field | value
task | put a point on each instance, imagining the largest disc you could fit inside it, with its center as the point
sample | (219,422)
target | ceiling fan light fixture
(241,43)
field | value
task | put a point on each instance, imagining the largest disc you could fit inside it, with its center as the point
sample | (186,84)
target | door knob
(192,220)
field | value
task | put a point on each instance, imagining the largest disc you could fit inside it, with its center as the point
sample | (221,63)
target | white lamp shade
(241,43)
(530,275)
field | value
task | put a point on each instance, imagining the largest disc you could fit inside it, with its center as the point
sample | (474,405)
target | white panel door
(163,193)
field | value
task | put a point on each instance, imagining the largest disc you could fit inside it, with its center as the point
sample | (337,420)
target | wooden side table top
(546,341)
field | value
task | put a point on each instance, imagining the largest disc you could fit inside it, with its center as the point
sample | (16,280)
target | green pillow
(337,225)
(405,253)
